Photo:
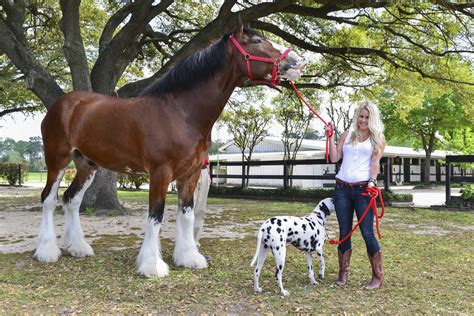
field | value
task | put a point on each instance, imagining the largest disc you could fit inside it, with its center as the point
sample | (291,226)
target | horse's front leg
(185,251)
(149,260)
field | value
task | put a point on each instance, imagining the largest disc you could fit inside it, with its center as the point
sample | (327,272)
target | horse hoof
(193,260)
(47,254)
(150,270)
(80,250)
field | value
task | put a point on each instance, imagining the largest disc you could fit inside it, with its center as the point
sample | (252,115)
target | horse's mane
(196,68)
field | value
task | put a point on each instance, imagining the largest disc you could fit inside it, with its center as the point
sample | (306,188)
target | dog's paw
(258,290)
(314,282)
(284,293)
(321,276)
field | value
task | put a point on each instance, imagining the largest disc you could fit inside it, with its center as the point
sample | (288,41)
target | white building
(406,163)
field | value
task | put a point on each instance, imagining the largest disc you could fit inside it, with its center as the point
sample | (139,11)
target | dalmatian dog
(306,233)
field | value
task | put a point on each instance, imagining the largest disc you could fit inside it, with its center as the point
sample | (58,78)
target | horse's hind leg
(47,249)
(186,252)
(149,261)
(73,236)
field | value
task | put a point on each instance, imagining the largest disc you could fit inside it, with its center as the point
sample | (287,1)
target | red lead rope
(373,192)
(328,133)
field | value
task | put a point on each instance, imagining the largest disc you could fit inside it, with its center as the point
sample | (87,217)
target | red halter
(276,76)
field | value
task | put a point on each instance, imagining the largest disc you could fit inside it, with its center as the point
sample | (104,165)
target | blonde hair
(376,126)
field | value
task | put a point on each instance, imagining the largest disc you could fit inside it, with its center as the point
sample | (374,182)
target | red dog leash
(330,132)
(373,192)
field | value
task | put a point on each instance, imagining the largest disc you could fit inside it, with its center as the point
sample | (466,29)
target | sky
(20,127)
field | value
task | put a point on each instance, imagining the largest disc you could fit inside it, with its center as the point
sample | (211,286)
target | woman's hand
(328,130)
(372,182)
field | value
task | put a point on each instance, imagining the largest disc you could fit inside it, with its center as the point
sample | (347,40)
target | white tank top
(356,160)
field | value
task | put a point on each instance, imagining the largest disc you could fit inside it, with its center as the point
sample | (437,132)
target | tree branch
(113,23)
(73,45)
(122,49)
(21,109)
(40,81)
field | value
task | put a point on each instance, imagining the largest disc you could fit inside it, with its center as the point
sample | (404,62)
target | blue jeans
(347,199)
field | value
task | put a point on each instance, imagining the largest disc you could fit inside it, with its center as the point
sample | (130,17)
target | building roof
(312,149)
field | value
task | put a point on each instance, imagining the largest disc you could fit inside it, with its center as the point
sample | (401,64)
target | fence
(285,176)
(450,178)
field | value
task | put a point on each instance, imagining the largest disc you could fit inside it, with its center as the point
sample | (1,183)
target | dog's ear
(325,209)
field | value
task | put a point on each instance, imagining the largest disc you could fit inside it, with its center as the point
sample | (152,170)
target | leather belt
(352,184)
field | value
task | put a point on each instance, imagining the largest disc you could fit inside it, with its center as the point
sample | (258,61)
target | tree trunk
(290,173)
(102,194)
(243,170)
(247,172)
(247,180)
(427,170)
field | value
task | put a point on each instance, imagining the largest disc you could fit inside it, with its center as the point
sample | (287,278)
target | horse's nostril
(293,61)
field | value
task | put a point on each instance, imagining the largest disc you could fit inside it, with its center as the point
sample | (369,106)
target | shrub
(467,192)
(69,175)
(122,180)
(138,179)
(9,172)
(293,194)
(127,180)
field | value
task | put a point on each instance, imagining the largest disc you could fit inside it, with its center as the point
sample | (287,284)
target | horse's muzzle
(293,67)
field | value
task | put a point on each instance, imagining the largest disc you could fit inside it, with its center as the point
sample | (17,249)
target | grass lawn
(428,257)
(37,176)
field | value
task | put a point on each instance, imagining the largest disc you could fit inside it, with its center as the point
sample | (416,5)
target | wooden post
(448,182)
(386,175)
(19,175)
(210,172)
(438,171)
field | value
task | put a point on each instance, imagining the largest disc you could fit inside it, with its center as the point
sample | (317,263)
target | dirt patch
(19,226)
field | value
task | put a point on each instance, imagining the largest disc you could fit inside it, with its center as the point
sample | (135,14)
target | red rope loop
(373,192)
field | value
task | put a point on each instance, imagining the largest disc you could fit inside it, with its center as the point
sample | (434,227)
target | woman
(361,149)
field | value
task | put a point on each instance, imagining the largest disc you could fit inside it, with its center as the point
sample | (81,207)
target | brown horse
(164,132)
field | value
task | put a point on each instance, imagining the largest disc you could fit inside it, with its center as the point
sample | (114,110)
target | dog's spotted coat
(306,233)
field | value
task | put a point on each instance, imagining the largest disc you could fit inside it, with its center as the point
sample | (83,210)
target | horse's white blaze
(149,261)
(47,249)
(299,61)
(73,236)
(185,250)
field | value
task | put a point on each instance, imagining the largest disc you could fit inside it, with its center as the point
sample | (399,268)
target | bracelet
(373,180)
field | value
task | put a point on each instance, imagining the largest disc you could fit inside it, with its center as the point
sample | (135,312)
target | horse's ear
(239,29)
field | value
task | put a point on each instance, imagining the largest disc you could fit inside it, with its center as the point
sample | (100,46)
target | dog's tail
(259,244)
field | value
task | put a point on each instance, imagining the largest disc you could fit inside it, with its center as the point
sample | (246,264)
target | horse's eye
(257,41)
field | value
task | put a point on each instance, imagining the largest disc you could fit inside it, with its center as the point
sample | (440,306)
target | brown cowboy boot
(377,273)
(344,262)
